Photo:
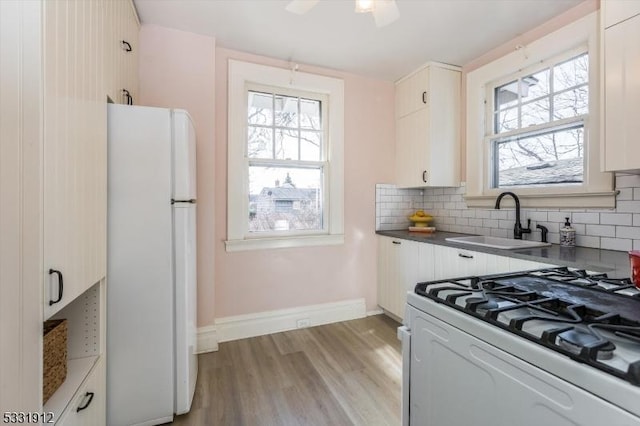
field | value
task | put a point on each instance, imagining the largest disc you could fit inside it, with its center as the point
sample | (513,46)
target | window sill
(593,200)
(283,242)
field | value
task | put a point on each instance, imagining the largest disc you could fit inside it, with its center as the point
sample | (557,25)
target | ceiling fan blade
(301,7)
(386,12)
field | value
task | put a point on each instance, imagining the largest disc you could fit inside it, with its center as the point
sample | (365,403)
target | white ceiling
(332,35)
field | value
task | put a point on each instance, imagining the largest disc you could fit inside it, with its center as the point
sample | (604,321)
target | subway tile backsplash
(395,205)
(617,229)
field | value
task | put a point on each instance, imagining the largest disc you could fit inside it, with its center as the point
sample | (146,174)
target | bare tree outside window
(285,137)
(527,150)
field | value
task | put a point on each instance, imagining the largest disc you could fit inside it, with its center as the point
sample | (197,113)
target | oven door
(457,379)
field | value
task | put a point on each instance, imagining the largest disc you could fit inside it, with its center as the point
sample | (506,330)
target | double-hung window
(533,123)
(538,125)
(286,161)
(285,158)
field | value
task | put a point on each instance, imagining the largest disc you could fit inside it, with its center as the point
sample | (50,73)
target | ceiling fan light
(364,6)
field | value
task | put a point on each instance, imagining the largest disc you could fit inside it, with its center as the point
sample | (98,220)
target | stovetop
(588,317)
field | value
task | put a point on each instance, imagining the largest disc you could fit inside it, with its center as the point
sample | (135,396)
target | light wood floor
(341,374)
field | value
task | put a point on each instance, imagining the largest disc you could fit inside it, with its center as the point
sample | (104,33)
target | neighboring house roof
(548,172)
(288,192)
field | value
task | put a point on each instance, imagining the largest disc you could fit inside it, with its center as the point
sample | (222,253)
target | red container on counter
(634,258)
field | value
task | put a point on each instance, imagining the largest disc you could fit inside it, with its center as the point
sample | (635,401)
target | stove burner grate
(575,341)
(564,310)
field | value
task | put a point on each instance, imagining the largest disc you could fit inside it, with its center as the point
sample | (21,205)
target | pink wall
(262,280)
(185,70)
(176,70)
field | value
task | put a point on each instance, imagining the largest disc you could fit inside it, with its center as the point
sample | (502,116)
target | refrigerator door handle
(190,201)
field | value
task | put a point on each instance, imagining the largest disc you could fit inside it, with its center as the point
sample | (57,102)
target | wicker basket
(54,357)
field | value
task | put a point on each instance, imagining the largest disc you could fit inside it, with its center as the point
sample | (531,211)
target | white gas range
(548,347)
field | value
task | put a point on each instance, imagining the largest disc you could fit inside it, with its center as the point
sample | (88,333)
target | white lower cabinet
(404,263)
(88,406)
(452,262)
(401,265)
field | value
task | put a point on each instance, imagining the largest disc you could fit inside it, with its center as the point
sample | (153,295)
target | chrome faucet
(518,230)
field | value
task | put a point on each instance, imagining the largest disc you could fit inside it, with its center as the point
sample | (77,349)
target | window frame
(596,191)
(492,135)
(323,164)
(241,77)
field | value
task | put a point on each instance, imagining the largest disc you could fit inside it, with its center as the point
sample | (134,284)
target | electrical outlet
(303,323)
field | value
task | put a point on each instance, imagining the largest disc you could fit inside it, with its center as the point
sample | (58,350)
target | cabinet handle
(424,97)
(86,404)
(466,256)
(126,46)
(396,242)
(128,99)
(60,286)
(424,176)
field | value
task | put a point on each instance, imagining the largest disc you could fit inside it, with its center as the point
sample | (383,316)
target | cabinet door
(427,128)
(398,272)
(622,95)
(88,406)
(617,11)
(412,153)
(75,142)
(121,66)
(130,65)
(387,270)
(426,265)
(412,93)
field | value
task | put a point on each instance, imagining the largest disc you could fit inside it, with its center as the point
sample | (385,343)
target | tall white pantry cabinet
(60,63)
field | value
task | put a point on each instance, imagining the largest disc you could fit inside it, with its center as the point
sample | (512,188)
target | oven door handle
(404,335)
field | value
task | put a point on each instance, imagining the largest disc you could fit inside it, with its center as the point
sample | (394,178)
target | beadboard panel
(75,147)
(21,213)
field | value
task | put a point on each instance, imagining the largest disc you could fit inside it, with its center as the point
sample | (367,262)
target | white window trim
(597,188)
(242,74)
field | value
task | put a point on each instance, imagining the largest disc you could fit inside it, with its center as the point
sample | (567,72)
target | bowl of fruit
(421,219)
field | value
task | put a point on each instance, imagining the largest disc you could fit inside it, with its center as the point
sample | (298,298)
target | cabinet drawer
(88,406)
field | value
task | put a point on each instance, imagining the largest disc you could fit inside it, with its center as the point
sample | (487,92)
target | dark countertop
(615,263)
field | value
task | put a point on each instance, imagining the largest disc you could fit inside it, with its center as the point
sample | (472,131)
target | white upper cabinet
(75,148)
(616,11)
(428,127)
(621,82)
(121,52)
(412,93)
(84,63)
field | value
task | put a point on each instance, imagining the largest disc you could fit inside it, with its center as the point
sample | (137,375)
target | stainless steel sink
(497,242)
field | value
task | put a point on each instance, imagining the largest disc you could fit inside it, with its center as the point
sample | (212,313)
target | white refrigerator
(151,265)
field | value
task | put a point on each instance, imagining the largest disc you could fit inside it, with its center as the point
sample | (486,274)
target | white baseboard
(207,339)
(261,323)
(375,312)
